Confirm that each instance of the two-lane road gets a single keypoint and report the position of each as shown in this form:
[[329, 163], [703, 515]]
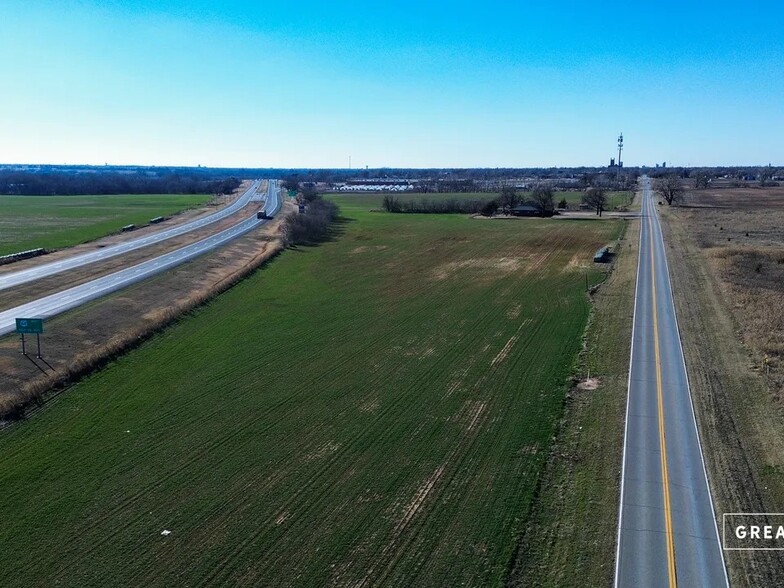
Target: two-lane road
[[11, 279], [73, 297], [667, 533]]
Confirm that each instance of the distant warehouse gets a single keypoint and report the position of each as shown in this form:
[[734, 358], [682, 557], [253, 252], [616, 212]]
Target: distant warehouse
[[528, 210]]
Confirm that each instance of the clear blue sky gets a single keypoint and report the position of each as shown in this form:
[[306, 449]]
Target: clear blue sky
[[415, 84]]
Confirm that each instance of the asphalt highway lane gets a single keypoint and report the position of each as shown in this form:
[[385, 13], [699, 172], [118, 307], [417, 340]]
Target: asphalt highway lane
[[667, 532]]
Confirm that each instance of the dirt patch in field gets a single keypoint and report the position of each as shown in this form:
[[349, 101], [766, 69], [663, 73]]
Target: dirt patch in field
[[501, 265], [322, 451], [513, 312], [476, 409], [470, 414], [83, 339], [507, 348], [410, 510], [502, 355], [371, 405], [589, 384], [578, 261]]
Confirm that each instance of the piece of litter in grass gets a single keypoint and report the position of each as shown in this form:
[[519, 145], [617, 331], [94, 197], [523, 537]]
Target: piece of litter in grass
[[165, 532]]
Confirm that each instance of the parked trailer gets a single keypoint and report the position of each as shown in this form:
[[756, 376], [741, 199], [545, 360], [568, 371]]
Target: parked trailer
[[157, 219], [602, 255], [127, 228]]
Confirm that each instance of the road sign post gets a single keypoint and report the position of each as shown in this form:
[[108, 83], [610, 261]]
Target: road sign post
[[32, 326]]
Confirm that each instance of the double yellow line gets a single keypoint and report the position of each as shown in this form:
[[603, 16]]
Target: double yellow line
[[662, 439]]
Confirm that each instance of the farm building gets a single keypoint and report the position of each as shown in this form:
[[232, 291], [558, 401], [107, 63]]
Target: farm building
[[528, 210]]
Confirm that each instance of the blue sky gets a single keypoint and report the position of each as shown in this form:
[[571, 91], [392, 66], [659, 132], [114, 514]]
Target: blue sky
[[458, 84]]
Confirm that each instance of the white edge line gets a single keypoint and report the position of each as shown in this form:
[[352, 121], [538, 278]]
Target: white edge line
[[691, 403], [628, 396]]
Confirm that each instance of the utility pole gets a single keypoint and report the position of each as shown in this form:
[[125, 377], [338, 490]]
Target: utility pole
[[620, 149]]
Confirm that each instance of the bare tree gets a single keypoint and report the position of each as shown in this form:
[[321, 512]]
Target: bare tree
[[542, 199], [587, 180], [766, 177], [508, 198], [596, 198], [309, 194], [701, 180], [670, 188], [291, 184]]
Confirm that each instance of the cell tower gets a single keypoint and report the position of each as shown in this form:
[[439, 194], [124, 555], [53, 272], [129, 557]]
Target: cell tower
[[620, 148]]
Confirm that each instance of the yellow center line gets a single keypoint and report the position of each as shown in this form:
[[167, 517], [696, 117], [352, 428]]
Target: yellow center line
[[662, 440]]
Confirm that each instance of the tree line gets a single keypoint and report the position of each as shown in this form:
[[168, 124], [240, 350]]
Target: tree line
[[28, 183], [429, 206], [540, 197]]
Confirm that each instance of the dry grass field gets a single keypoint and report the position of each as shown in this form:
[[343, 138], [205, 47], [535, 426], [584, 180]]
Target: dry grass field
[[741, 233]]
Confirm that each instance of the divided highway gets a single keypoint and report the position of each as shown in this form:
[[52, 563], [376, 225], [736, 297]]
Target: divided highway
[[73, 297], [667, 532], [12, 279]]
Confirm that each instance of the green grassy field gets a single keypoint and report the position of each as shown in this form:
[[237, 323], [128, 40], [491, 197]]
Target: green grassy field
[[614, 199], [376, 410], [53, 222]]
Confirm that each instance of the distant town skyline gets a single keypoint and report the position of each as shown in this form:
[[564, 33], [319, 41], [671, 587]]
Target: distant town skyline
[[308, 84]]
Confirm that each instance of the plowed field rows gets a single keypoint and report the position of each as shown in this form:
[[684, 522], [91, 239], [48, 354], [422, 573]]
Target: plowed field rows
[[373, 411]]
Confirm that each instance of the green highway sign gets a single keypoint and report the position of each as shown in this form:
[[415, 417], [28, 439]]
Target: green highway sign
[[29, 325]]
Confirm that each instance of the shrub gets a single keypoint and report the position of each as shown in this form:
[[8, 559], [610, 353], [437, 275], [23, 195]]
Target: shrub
[[311, 226]]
